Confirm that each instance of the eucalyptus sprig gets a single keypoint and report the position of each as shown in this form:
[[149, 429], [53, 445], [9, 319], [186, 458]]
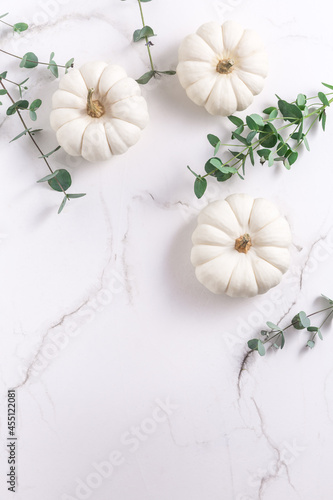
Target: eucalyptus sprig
[[58, 180], [275, 335], [145, 33], [258, 134]]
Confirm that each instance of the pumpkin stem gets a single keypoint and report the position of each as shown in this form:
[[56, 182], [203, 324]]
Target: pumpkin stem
[[225, 66], [243, 243], [94, 108]]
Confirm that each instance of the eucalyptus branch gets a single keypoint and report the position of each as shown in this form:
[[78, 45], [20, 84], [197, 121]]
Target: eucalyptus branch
[[145, 33], [58, 180], [264, 139], [275, 336], [33, 61], [31, 136]]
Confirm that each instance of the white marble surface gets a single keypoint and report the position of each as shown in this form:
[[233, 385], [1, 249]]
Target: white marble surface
[[102, 320]]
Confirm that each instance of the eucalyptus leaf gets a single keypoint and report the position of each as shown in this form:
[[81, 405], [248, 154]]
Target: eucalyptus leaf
[[145, 77], [19, 27], [63, 178], [235, 120], [200, 185], [29, 60]]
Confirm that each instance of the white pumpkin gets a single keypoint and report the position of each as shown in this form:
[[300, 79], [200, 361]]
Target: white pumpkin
[[222, 67], [240, 246], [98, 111]]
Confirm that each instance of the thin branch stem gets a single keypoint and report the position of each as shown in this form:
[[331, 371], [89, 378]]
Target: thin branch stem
[[29, 60], [4, 22], [32, 138], [146, 38]]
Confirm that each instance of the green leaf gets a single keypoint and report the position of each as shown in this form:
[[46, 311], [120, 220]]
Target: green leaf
[[48, 177], [306, 143], [21, 134], [300, 321], [271, 159], [264, 333], [261, 348], [241, 139], [69, 64], [263, 153], [310, 343], [323, 123], [144, 32], [200, 186], [323, 98], [235, 120], [213, 140], [320, 335], [35, 104], [196, 175], [327, 85], [145, 78], [19, 27], [301, 101], [292, 157], [209, 168], [50, 153], [290, 112], [283, 341], [3, 75], [267, 136], [282, 148], [273, 114], [251, 136], [327, 298], [77, 195], [257, 119], [33, 115], [62, 206], [3, 91], [216, 162], [228, 170], [145, 1], [222, 177], [17, 105], [312, 328], [29, 60], [53, 67], [253, 344], [269, 110], [251, 123], [286, 163], [251, 155], [272, 326], [63, 178]]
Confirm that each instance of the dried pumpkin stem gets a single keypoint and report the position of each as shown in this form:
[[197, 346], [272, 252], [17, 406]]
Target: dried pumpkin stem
[[243, 243], [94, 108], [225, 66]]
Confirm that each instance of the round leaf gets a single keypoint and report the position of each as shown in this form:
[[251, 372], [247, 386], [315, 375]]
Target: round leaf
[[29, 60], [63, 178]]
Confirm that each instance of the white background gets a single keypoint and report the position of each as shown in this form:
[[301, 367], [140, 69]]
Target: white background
[[102, 320]]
